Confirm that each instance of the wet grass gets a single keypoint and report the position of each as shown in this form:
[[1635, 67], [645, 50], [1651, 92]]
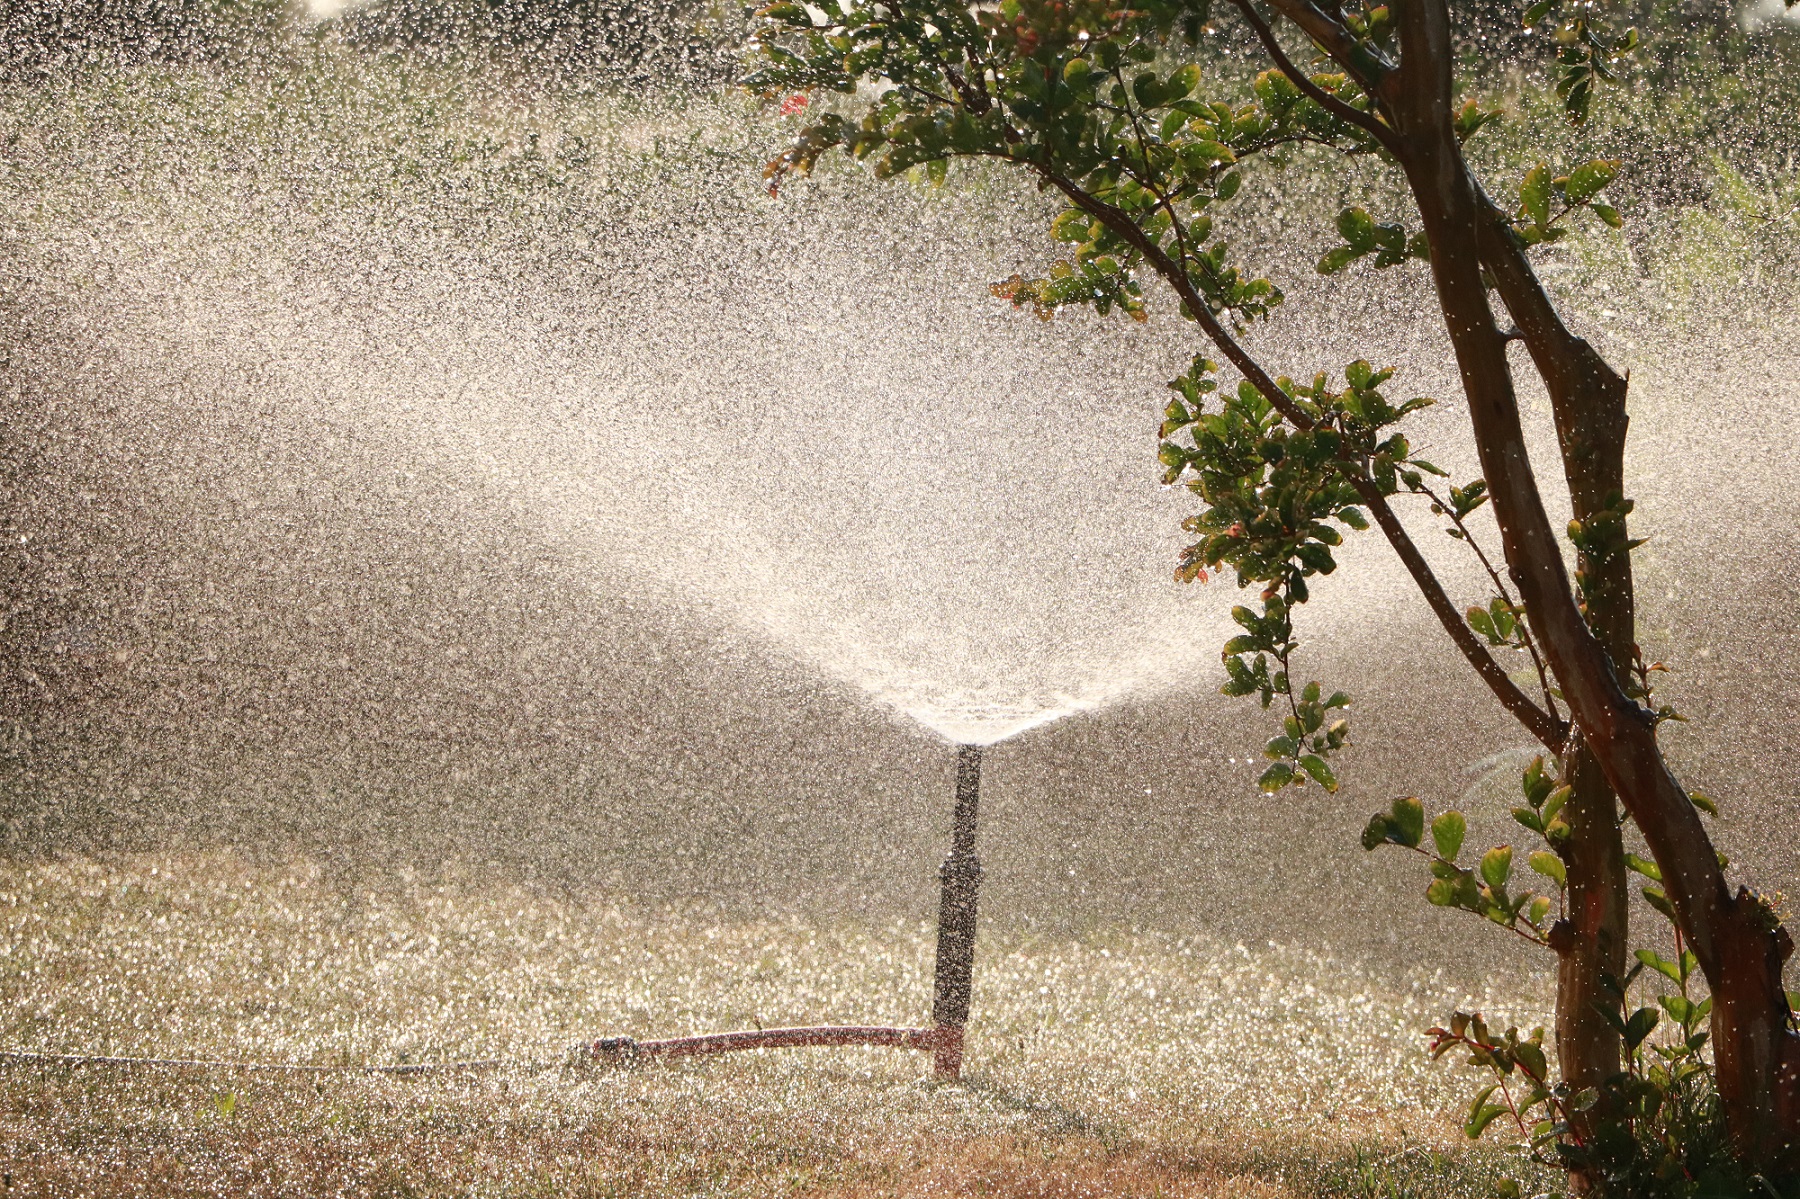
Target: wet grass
[[1117, 1063]]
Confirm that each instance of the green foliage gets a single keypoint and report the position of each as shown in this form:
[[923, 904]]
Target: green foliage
[[1278, 498], [1105, 105], [1655, 1129], [1588, 54], [1544, 201], [1362, 236], [1485, 887], [1076, 92]]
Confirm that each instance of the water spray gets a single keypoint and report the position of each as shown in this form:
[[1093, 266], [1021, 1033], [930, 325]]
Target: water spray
[[952, 976]]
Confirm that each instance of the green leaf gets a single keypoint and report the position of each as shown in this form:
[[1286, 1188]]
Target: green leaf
[[1314, 765], [1704, 802], [1482, 623], [1531, 1057], [1550, 866], [1276, 91], [1277, 776], [1447, 832], [1376, 831], [1609, 214], [1678, 1006], [1496, 866], [1644, 866], [1655, 898], [1586, 180], [1660, 964], [1316, 557], [1337, 259], [1554, 804], [1483, 1116], [1534, 195], [1535, 783], [1358, 228], [1642, 1023], [1408, 821]]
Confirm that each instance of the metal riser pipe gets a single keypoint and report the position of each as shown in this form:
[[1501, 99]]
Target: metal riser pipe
[[960, 882]]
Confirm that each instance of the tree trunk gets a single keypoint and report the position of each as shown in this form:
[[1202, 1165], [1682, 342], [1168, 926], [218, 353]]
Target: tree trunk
[[1588, 399], [1739, 945], [1590, 940]]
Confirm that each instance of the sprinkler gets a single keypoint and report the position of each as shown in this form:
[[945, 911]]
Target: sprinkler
[[959, 882]]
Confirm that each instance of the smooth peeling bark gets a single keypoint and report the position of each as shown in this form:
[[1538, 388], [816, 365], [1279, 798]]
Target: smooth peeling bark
[[1736, 940]]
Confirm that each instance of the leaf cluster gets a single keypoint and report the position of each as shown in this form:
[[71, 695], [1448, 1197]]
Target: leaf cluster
[[1545, 200], [1485, 887], [1588, 52], [1654, 1129], [1277, 499], [1078, 90]]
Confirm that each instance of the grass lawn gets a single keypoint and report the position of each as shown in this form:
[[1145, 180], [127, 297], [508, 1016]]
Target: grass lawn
[[1117, 1063]]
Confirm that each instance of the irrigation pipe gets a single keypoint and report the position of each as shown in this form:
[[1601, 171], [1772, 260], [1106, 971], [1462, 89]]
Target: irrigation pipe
[[621, 1049], [606, 1050]]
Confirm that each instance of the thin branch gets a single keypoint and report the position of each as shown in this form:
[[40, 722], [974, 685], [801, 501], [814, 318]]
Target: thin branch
[[1468, 537], [976, 101], [1548, 728], [1367, 122], [928, 94], [1153, 186]]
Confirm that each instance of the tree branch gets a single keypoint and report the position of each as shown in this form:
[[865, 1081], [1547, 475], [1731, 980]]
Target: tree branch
[[1545, 727], [1550, 731], [1367, 122], [1372, 72], [1468, 537]]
